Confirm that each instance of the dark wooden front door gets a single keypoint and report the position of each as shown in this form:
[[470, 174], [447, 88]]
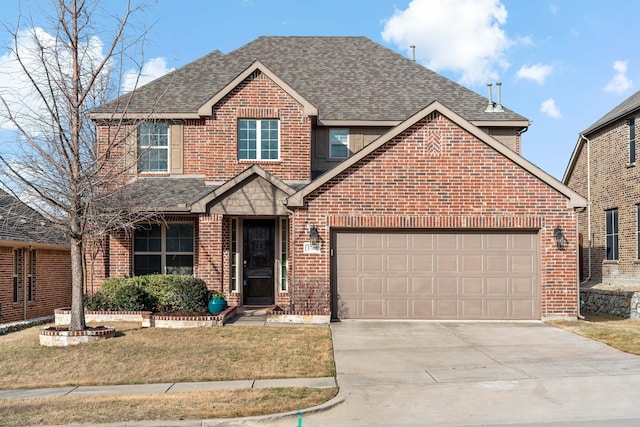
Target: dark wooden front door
[[258, 262]]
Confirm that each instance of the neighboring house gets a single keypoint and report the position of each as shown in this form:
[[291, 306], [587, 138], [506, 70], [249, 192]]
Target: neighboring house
[[35, 264], [604, 169], [330, 174]]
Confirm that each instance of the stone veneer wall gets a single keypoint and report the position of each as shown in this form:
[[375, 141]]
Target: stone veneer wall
[[615, 303]]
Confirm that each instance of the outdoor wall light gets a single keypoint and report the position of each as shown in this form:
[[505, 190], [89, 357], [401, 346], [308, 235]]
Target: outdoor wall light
[[561, 241], [314, 236]]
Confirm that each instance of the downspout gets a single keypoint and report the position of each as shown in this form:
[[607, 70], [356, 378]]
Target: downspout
[[589, 241], [580, 316]]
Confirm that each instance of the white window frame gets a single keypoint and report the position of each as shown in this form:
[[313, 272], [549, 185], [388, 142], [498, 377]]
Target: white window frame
[[283, 285], [163, 248], [258, 140], [142, 148], [336, 139]]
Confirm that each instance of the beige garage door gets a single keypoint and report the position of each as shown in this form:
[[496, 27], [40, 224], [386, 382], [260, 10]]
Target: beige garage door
[[422, 275]]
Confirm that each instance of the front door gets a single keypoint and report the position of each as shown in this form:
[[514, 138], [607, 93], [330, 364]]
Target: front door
[[258, 262]]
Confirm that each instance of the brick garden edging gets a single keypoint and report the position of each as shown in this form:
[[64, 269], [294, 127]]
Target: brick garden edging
[[149, 319], [612, 302], [276, 314]]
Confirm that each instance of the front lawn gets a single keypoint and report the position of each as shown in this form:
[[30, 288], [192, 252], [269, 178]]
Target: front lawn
[[150, 355]]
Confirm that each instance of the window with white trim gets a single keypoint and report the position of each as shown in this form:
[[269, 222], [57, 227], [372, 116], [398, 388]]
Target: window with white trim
[[632, 140], [163, 249], [638, 230], [284, 254], [18, 275], [612, 234], [258, 139], [338, 143], [24, 275], [153, 147], [235, 255]]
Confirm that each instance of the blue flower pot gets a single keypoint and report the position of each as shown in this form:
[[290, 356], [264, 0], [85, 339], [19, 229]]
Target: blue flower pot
[[216, 305]]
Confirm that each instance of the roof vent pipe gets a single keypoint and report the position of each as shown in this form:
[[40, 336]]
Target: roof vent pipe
[[490, 98], [498, 106], [413, 52]]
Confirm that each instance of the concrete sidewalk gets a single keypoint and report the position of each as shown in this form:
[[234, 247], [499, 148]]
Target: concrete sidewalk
[[326, 382]]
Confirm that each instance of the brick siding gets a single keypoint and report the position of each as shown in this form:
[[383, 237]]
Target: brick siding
[[464, 184], [614, 185], [52, 290]]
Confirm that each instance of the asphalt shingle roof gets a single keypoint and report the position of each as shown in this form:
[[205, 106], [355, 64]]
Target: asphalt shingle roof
[[20, 223], [168, 193], [628, 105], [345, 78]]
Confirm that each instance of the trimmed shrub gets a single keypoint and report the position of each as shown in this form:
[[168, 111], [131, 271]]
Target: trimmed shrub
[[194, 295], [131, 297], [156, 292]]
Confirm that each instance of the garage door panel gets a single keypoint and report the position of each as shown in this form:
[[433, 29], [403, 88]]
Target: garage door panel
[[471, 241], [472, 286], [398, 263], [397, 241], [421, 286], [423, 308], [421, 275], [497, 263], [372, 308], [372, 286], [421, 241], [398, 309], [497, 286], [447, 285], [497, 309], [447, 309], [398, 285], [472, 263], [521, 263], [369, 241], [472, 308], [371, 264], [523, 286], [421, 263], [446, 263]]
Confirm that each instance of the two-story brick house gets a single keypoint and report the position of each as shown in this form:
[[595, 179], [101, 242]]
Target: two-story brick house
[[603, 169], [35, 263], [330, 174]]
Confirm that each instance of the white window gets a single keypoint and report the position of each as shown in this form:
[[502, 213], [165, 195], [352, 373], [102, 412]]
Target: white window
[[339, 143], [163, 249], [153, 147], [258, 139]]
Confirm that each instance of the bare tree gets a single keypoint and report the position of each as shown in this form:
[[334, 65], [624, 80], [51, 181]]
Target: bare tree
[[56, 164]]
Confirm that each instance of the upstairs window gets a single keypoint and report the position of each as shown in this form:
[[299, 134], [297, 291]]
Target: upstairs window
[[638, 229], [612, 234], [339, 143], [153, 147], [163, 249], [258, 139], [632, 140]]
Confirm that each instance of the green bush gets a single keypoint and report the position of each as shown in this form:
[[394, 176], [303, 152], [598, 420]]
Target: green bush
[[131, 297], [163, 290], [156, 292], [194, 295]]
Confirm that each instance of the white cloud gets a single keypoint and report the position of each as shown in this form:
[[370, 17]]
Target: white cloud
[[36, 47], [464, 36], [553, 9], [550, 108], [620, 82], [151, 70], [537, 72]]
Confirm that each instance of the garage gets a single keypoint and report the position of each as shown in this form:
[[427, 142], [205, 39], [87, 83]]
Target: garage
[[415, 274]]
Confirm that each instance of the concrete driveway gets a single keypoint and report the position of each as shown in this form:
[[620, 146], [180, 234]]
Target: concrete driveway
[[477, 373]]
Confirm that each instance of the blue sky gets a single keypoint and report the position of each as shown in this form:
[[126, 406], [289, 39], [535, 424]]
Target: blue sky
[[563, 64]]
